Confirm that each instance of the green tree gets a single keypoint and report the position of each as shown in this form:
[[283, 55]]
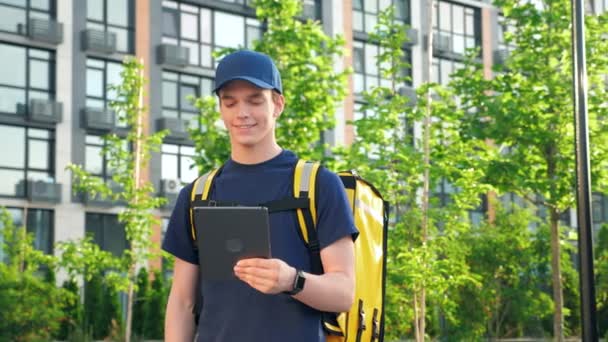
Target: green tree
[[128, 157], [154, 328], [425, 265], [526, 109], [510, 300], [140, 307], [601, 279], [30, 306], [305, 57]]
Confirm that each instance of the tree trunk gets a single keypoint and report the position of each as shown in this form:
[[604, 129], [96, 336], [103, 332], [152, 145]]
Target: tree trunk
[[556, 277]]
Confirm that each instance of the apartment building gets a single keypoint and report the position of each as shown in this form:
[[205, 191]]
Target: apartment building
[[58, 56]]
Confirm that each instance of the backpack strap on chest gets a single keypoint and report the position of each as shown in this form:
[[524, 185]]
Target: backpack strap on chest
[[200, 195], [304, 187]]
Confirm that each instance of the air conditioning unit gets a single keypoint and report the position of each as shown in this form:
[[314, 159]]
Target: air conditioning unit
[[170, 186], [173, 55], [99, 41], [48, 31], [177, 127], [43, 191], [45, 111], [410, 93], [412, 36], [99, 119], [169, 189], [442, 44], [100, 201], [500, 56]]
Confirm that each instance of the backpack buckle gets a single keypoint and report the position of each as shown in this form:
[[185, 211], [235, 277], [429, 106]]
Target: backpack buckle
[[212, 203]]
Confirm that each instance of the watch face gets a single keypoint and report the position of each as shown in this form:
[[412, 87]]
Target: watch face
[[300, 279]]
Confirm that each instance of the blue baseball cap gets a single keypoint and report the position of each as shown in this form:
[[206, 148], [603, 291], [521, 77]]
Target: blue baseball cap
[[251, 66]]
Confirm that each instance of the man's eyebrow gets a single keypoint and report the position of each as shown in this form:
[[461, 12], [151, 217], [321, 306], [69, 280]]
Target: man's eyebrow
[[255, 95]]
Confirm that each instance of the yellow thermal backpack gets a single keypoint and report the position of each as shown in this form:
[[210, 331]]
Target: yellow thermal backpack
[[365, 320]]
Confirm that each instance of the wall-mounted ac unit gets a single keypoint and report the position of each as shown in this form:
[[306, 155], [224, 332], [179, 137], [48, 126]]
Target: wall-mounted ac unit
[[43, 191], [170, 186], [100, 201], [442, 44], [177, 127], [45, 111], [169, 189], [99, 119], [173, 55], [99, 41], [43, 30]]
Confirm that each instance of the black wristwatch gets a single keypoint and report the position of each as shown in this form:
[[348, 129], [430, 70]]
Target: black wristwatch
[[298, 283]]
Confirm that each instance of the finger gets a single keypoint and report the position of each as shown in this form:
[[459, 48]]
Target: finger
[[254, 262], [257, 272]]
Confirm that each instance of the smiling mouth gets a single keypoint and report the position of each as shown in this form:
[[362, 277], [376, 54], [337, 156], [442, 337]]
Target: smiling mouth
[[244, 126]]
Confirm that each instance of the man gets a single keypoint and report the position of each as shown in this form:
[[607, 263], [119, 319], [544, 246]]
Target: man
[[269, 299]]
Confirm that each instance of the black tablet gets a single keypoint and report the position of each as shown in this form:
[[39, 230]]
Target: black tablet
[[226, 235]]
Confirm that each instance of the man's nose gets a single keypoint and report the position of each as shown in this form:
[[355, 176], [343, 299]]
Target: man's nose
[[243, 111]]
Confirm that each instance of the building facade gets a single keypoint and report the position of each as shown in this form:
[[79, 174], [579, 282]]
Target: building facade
[[59, 56]]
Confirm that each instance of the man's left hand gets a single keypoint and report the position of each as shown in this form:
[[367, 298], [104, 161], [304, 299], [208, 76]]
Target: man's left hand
[[268, 276]]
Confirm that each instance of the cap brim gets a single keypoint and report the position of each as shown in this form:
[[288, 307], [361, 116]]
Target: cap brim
[[258, 83]]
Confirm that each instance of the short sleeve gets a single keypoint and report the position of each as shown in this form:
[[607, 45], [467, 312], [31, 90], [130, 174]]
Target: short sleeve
[[178, 240], [334, 214]]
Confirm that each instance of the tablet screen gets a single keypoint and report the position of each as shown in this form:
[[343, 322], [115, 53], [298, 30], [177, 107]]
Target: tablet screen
[[226, 235]]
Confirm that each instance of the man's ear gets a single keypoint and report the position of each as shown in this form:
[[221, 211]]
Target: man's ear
[[279, 104]]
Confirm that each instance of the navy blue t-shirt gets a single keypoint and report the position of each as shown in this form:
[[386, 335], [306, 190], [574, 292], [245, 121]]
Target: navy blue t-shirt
[[234, 311]]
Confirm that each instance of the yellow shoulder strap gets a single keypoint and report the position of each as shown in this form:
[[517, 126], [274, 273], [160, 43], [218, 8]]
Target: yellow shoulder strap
[[202, 186], [304, 184]]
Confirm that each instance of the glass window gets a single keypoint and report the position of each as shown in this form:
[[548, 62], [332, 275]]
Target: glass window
[[115, 16], [39, 224], [16, 89], [367, 71], [30, 157], [100, 75], [107, 232], [178, 163], [176, 91], [204, 30], [14, 14], [462, 26], [96, 163], [365, 13]]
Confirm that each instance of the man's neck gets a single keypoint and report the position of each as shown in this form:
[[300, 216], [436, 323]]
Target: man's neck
[[254, 154]]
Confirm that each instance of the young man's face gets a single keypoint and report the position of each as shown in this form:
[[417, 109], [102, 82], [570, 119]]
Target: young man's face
[[249, 113]]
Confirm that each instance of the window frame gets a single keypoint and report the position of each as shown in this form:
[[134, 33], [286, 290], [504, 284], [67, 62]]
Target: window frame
[[26, 158], [179, 154], [176, 9], [130, 28], [365, 12], [176, 78], [28, 9], [28, 88]]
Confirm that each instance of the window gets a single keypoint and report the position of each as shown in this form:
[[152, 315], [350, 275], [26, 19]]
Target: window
[[96, 164], [178, 163], [107, 232], [365, 13], [367, 70], [30, 157], [100, 75], [39, 224], [461, 26], [25, 74], [14, 14], [600, 210], [176, 89], [115, 16], [205, 30]]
